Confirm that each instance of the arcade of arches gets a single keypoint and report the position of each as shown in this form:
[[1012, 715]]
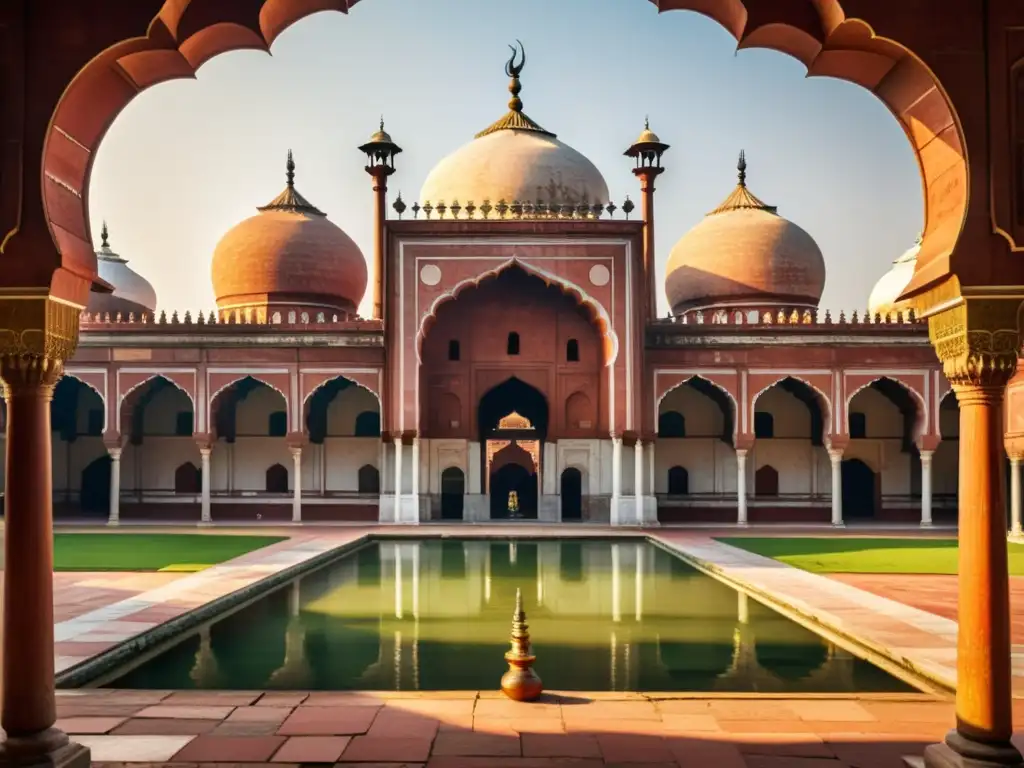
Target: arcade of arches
[[956, 86]]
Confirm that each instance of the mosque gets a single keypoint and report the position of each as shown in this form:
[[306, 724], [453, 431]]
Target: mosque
[[514, 365]]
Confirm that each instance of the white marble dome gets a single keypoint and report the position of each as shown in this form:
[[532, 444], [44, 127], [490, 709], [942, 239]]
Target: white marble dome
[[515, 165], [132, 292], [884, 298]]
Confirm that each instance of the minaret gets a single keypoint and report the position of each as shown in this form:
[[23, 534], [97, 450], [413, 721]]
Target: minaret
[[380, 153], [647, 150]]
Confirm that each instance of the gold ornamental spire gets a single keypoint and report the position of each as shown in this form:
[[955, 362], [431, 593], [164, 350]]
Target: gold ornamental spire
[[520, 683], [515, 119], [742, 198], [290, 200]]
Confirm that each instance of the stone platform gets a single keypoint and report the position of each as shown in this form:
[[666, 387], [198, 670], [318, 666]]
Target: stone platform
[[466, 729]]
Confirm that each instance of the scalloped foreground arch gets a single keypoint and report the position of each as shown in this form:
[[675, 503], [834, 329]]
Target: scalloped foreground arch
[[187, 33], [827, 413], [716, 385]]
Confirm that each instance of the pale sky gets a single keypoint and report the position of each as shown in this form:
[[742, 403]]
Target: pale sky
[[189, 159]]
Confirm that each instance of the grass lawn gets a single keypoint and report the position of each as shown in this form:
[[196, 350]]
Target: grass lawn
[[181, 552], [850, 555]]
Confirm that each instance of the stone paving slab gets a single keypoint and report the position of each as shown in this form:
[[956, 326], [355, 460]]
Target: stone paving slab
[[460, 729], [900, 632]]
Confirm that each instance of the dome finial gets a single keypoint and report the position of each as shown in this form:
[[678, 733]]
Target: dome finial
[[513, 70], [290, 168], [103, 235], [647, 122], [741, 166], [382, 122], [515, 119]]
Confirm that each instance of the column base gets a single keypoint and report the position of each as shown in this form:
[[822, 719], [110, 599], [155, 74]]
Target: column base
[[49, 749], [204, 524], [927, 524], [960, 752], [113, 523], [839, 525]]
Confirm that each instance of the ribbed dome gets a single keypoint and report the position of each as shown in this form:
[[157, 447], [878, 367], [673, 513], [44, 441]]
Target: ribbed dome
[[132, 292], [289, 254], [884, 296], [514, 159], [744, 254]]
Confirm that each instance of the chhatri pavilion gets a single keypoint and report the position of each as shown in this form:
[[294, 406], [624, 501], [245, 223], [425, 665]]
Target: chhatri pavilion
[[514, 352]]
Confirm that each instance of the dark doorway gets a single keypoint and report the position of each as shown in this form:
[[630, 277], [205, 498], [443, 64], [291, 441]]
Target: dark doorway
[[766, 481], [512, 395], [95, 494], [572, 494], [277, 479], [513, 477], [187, 478], [453, 490], [860, 491], [678, 481]]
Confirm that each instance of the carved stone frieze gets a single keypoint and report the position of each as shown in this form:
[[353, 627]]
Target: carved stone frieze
[[37, 335], [977, 341]]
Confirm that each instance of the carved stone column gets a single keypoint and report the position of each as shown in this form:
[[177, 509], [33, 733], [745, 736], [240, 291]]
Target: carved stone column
[[38, 335], [977, 342], [835, 457]]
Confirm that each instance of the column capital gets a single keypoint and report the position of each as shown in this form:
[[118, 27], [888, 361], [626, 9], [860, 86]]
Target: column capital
[[296, 441], [977, 341], [926, 456], [835, 455], [113, 441], [741, 453], [616, 437], [39, 333]]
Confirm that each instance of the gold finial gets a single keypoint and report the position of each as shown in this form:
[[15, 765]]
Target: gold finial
[[103, 236], [513, 70], [515, 119], [290, 169], [647, 122], [741, 166], [520, 683], [382, 122]]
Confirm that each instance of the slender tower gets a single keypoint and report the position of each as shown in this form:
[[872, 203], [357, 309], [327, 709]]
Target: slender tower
[[380, 153], [647, 150]]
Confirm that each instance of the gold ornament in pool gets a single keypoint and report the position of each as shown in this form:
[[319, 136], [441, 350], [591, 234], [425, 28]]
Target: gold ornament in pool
[[520, 682], [513, 503]]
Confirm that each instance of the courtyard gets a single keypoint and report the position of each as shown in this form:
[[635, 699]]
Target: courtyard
[[903, 620]]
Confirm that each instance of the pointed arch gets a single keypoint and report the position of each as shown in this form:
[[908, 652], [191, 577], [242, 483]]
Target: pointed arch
[[703, 385], [123, 398], [824, 403], [595, 310], [920, 425], [242, 377]]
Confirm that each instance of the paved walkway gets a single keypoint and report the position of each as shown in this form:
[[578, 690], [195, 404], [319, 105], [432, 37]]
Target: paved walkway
[[464, 730]]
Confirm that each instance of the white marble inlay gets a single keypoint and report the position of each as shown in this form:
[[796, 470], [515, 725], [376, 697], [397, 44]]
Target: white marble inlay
[[599, 275], [430, 274]]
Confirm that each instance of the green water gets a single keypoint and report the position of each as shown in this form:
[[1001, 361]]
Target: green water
[[436, 615]]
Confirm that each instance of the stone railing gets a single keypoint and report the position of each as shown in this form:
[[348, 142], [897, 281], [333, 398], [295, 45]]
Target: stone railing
[[310, 322], [503, 210], [792, 317]]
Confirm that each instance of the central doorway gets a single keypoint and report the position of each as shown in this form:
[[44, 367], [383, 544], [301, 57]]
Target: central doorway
[[513, 422]]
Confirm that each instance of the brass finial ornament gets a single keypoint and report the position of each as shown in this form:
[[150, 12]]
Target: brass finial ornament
[[103, 236], [515, 119], [741, 198], [290, 200], [520, 683]]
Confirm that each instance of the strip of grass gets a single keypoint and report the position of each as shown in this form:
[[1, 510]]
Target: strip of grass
[[178, 552], [867, 555]]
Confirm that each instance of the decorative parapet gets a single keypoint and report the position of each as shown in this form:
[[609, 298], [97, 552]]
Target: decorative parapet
[[516, 210], [803, 318], [313, 322]]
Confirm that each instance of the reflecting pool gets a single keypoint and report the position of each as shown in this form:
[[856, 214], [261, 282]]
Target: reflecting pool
[[436, 615]]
